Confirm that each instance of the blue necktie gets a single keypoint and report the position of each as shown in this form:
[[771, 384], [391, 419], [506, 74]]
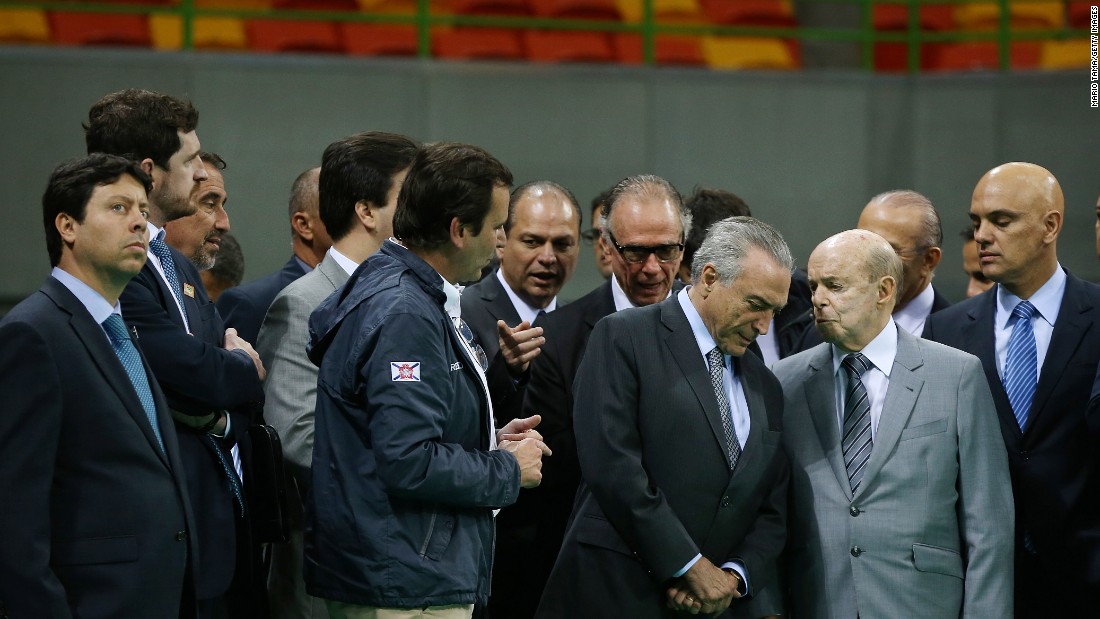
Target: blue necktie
[[856, 439], [230, 472], [716, 362], [160, 250], [1021, 374], [127, 353]]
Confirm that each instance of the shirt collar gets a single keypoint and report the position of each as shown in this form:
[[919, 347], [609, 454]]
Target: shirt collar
[[879, 351], [345, 263], [305, 267], [619, 295], [97, 306], [1047, 299], [526, 312], [703, 337], [453, 304], [915, 313]]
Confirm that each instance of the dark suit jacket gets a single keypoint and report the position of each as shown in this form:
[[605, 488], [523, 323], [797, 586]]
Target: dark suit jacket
[[244, 307], [797, 315], [811, 338], [657, 486], [95, 519], [483, 304], [1055, 464], [198, 376]]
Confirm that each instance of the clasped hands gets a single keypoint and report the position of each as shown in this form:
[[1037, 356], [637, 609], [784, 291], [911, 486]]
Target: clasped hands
[[519, 438], [704, 588]]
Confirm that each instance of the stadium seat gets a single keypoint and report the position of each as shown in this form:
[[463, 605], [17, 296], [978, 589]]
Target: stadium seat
[[664, 11], [315, 5], [211, 33], [576, 9], [400, 7], [378, 39], [240, 5], [23, 26], [1062, 55], [478, 44], [489, 7], [280, 35], [110, 29], [1022, 15], [934, 17], [983, 56], [1079, 14], [748, 53], [568, 46], [770, 13], [894, 57], [667, 50]]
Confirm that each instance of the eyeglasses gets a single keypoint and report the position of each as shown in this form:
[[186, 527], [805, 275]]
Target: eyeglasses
[[637, 254]]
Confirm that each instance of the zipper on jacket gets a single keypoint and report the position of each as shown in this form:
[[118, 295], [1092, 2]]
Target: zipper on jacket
[[428, 537]]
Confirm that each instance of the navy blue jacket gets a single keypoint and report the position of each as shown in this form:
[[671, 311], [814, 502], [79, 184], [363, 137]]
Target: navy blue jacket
[[244, 307], [403, 479]]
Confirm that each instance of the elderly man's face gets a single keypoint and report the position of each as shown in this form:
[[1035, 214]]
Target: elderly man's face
[[848, 304], [736, 313], [640, 223], [902, 229], [198, 236]]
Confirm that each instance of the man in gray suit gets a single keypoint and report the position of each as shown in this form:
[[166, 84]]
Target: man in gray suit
[[900, 500], [361, 176]]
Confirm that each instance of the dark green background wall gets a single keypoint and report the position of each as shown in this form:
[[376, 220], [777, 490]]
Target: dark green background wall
[[805, 150]]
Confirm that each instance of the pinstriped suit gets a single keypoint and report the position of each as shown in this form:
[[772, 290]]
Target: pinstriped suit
[[929, 532], [291, 395]]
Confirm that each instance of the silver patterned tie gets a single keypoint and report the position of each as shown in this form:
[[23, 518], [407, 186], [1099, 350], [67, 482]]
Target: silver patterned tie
[[716, 363], [856, 439]]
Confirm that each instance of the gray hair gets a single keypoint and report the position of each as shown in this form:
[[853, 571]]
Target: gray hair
[[644, 186], [729, 240], [931, 234]]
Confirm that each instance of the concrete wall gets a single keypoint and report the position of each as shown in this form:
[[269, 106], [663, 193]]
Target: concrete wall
[[805, 150]]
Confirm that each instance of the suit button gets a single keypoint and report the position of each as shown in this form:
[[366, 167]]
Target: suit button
[[853, 510], [182, 535], [856, 551], [725, 501], [1023, 455]]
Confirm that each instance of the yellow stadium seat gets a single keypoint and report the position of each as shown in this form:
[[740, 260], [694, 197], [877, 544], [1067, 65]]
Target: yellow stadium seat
[[207, 33], [1058, 55], [1022, 15], [748, 53], [664, 11], [23, 26]]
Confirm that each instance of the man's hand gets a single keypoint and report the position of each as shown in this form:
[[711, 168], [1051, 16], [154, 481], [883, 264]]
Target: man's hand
[[528, 453], [714, 588], [519, 429], [519, 345], [233, 342]]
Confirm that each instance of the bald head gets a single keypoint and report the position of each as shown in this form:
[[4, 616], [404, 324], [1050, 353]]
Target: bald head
[[1017, 211], [854, 279], [910, 224]]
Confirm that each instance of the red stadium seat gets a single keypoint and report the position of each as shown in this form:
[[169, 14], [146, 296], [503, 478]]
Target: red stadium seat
[[478, 44], [516, 8], [568, 46], [1079, 14], [280, 35], [109, 29], [667, 50], [576, 9], [316, 5], [935, 17], [984, 56], [379, 39], [771, 13]]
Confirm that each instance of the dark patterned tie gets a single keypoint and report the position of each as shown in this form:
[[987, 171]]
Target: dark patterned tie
[[127, 353], [717, 363], [160, 250], [856, 439], [230, 472], [1020, 373]]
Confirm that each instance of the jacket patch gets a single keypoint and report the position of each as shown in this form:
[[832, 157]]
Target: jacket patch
[[456, 366], [405, 371]]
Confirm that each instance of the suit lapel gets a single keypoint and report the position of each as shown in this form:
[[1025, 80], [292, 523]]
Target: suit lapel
[[681, 343], [1074, 320], [821, 403], [99, 348], [978, 337], [901, 397], [498, 302], [333, 272]]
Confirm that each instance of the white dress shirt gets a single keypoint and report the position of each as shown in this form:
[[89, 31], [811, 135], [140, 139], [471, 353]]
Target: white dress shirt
[[880, 352], [525, 311], [915, 313], [97, 306], [155, 261], [1047, 301], [345, 263]]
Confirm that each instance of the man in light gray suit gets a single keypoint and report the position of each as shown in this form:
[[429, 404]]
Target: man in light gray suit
[[361, 176], [900, 500]]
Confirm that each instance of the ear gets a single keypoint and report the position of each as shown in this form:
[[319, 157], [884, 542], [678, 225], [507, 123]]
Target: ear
[[932, 258], [887, 286], [459, 233], [366, 215], [1052, 225], [66, 227], [708, 279], [147, 166], [302, 224]]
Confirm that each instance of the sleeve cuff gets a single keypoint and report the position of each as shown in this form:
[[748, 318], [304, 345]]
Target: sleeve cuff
[[687, 567]]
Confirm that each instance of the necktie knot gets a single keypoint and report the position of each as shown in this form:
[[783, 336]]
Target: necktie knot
[[1023, 310], [715, 358], [159, 248], [856, 364], [115, 328]]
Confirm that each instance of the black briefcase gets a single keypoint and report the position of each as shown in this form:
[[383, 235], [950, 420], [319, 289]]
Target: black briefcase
[[265, 487]]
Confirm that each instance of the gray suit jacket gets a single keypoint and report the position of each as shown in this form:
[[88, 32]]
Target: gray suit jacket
[[291, 385], [929, 532]]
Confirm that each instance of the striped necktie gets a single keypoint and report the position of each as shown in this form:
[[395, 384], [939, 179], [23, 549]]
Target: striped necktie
[[856, 438], [128, 355], [1021, 373]]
